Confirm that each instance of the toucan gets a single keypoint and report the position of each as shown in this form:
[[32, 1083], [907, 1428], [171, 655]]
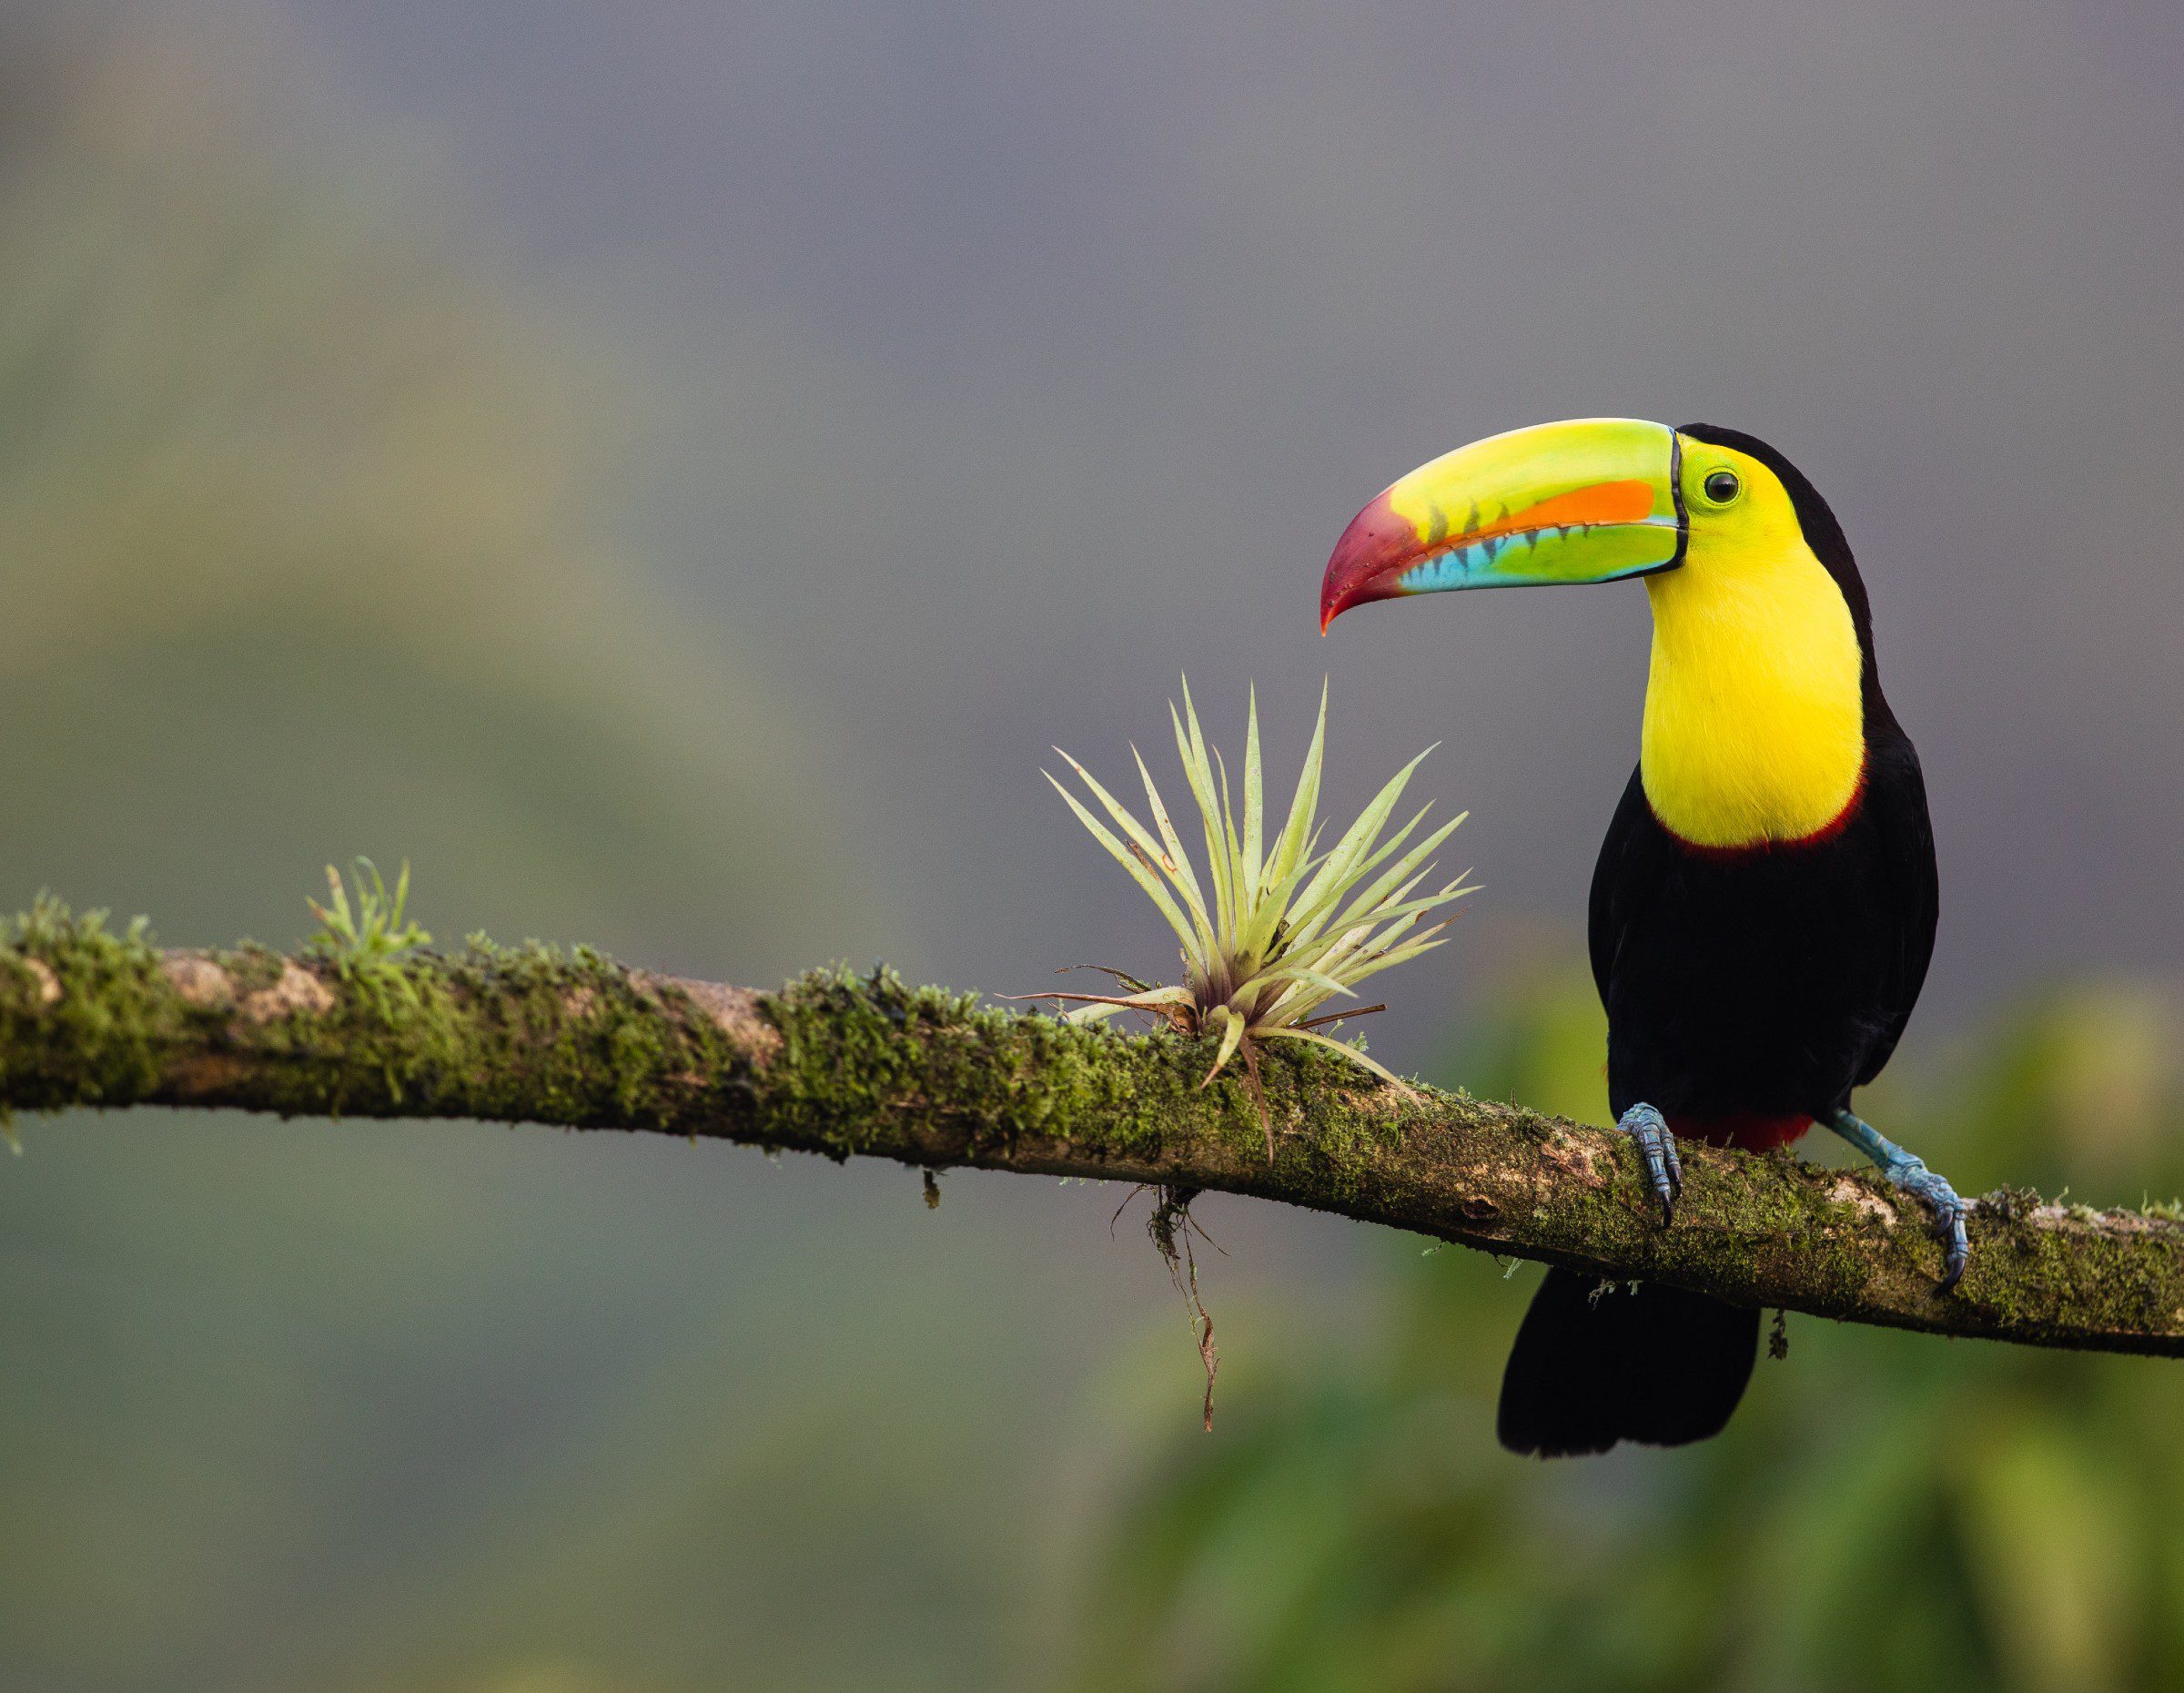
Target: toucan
[[1762, 910]]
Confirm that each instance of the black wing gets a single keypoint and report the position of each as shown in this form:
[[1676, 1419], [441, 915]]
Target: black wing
[[1618, 877], [1896, 797]]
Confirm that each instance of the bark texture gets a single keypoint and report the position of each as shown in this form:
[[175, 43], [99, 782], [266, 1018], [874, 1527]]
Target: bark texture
[[865, 1065]]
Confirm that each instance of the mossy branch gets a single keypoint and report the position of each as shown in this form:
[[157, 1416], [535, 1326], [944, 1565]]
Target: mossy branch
[[844, 1064]]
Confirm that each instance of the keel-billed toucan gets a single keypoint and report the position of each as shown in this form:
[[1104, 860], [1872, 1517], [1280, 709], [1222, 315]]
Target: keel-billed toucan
[[1763, 907]]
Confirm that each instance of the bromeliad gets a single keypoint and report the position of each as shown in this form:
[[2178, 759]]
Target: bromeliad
[[1271, 934]]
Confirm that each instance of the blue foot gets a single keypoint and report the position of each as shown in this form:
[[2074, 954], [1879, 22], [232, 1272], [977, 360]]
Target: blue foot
[[1911, 1174], [1657, 1146], [1908, 1171]]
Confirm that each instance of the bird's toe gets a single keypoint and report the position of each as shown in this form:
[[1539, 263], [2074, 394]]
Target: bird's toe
[[1657, 1150], [1950, 1215]]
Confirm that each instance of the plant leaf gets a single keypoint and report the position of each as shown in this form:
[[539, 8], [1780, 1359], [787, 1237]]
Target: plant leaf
[[1255, 803], [1304, 973], [1256, 938], [1240, 875], [1139, 874], [1384, 888], [1338, 871], [1348, 1052], [1187, 880], [1198, 770], [1293, 846], [1166, 853], [1156, 849], [1427, 940], [1232, 1037]]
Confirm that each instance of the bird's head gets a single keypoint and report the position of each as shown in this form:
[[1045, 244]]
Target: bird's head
[[1761, 684], [1592, 500]]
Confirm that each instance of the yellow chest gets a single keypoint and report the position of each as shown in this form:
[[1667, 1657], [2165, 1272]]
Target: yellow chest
[[1753, 726]]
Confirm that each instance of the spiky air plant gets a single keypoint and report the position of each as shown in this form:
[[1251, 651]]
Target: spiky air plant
[[1271, 936]]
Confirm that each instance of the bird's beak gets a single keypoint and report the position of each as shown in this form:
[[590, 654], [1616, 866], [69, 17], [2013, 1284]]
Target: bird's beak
[[1594, 500]]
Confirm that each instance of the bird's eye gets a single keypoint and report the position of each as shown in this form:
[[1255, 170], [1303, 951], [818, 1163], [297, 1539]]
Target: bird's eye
[[1722, 486]]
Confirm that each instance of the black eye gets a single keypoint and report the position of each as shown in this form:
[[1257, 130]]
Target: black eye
[[1722, 486]]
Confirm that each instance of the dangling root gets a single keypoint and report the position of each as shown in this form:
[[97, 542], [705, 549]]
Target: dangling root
[[1171, 1225]]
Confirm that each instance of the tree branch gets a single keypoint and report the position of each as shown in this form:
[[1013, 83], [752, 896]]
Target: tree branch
[[841, 1065]]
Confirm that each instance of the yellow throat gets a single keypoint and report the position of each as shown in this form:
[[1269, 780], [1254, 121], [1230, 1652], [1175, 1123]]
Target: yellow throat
[[1753, 726]]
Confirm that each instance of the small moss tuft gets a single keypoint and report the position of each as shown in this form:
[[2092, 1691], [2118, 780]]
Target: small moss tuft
[[94, 997]]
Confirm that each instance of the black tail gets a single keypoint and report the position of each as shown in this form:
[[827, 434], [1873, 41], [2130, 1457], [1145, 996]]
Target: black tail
[[1649, 1363]]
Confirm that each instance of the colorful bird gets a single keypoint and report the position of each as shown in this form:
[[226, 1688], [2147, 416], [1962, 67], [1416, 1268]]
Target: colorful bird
[[1763, 907]]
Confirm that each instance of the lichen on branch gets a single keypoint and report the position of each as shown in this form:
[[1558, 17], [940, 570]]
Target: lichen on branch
[[847, 1064]]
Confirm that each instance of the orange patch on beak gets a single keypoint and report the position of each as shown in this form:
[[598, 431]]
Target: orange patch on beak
[[1602, 503]]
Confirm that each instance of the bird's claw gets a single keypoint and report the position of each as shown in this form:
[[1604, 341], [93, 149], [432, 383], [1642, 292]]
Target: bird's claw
[[1910, 1173], [1657, 1146]]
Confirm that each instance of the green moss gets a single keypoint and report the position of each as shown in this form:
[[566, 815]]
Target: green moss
[[88, 1017], [83, 1009], [865, 1058], [860, 1054], [2014, 1203], [532, 1031]]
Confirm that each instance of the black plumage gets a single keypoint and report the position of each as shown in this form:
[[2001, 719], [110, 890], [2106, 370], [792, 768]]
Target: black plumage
[[1748, 992]]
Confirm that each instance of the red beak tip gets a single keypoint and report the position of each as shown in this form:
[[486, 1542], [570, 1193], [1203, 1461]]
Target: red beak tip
[[1377, 543]]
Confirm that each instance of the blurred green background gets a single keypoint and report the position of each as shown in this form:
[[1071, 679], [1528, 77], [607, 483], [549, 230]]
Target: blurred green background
[[669, 471]]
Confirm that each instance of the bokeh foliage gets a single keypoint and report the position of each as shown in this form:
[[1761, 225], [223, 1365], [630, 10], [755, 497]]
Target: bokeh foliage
[[1885, 1510]]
